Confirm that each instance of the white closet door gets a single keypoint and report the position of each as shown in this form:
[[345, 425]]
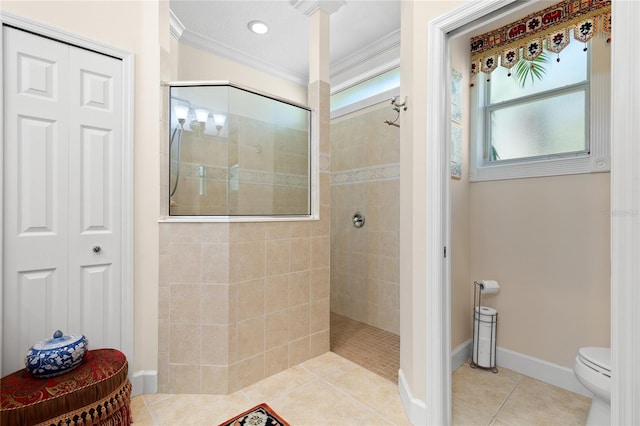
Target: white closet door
[[95, 184], [62, 148]]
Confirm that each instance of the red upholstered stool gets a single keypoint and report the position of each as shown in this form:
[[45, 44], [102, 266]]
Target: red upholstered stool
[[95, 393]]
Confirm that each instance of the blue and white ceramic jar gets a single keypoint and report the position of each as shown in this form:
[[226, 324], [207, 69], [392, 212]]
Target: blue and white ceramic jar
[[56, 356]]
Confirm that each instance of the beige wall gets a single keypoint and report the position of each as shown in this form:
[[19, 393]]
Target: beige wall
[[196, 64], [461, 280], [415, 17], [138, 31], [364, 261], [546, 241]]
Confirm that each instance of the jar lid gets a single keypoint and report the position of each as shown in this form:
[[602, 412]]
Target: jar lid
[[57, 341]]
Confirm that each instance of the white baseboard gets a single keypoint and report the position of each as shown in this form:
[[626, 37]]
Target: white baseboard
[[416, 409], [144, 381], [544, 371], [461, 354]]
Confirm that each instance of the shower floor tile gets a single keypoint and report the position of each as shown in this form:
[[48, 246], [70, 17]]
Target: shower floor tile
[[372, 348]]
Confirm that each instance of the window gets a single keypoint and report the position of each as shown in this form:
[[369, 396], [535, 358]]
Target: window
[[526, 118], [365, 93], [554, 120]]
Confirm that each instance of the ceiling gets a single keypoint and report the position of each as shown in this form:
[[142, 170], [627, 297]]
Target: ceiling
[[365, 34]]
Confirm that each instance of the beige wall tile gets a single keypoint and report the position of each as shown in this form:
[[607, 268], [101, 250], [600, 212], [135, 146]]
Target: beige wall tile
[[276, 360], [164, 336], [276, 329], [298, 321], [320, 284], [215, 304], [299, 258], [214, 349], [246, 232], [251, 299], [319, 343], [320, 252], [164, 273], [298, 229], [276, 230], [184, 346], [214, 379], [322, 227], [184, 304], [277, 293], [299, 351], [277, 257], [184, 232], [250, 370], [184, 378], [215, 262], [251, 337], [247, 260], [163, 371], [299, 288], [164, 299], [215, 232], [319, 316], [186, 262]]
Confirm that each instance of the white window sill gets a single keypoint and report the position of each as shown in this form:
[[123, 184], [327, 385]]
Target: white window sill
[[555, 167]]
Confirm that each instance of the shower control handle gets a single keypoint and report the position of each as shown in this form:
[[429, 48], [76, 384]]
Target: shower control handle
[[358, 220]]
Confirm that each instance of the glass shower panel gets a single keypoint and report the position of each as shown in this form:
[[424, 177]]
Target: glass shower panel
[[234, 152], [269, 156], [198, 151]]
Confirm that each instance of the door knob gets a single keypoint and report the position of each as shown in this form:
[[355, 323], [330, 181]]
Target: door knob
[[96, 249]]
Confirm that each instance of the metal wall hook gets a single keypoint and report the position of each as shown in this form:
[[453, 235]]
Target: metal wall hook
[[396, 108]]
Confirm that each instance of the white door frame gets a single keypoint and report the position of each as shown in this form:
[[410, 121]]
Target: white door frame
[[625, 211], [127, 59]]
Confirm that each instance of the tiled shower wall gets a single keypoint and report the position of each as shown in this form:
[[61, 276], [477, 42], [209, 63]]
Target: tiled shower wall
[[241, 301], [365, 175]]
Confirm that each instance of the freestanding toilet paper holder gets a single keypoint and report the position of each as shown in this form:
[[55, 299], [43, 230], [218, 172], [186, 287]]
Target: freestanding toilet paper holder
[[483, 319]]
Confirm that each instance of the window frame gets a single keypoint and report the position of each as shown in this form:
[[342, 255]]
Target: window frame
[[594, 159]]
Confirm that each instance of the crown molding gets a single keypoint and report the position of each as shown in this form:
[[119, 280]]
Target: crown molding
[[382, 53], [235, 55], [309, 7], [176, 28]]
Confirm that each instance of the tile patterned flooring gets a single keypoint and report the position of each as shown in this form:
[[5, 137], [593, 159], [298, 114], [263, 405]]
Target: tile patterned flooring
[[370, 347], [332, 390]]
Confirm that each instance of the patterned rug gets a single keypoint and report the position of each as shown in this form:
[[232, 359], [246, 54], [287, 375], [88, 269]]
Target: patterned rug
[[260, 415]]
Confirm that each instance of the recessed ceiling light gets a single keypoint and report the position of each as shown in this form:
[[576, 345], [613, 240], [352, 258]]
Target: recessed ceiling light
[[258, 27]]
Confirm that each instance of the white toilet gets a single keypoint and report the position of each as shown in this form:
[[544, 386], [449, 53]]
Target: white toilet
[[593, 370]]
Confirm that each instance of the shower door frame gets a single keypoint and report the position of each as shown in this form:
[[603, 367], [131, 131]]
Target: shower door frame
[[625, 219]]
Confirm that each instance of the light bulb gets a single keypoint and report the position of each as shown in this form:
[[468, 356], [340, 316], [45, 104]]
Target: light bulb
[[219, 119], [202, 115], [181, 112]]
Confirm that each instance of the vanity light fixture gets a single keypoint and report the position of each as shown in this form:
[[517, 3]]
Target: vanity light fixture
[[258, 27], [182, 111], [218, 121]]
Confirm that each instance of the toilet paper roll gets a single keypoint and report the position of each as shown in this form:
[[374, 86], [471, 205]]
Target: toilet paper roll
[[489, 286], [484, 335]]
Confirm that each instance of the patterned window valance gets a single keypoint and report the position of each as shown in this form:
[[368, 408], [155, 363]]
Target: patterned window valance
[[551, 24]]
